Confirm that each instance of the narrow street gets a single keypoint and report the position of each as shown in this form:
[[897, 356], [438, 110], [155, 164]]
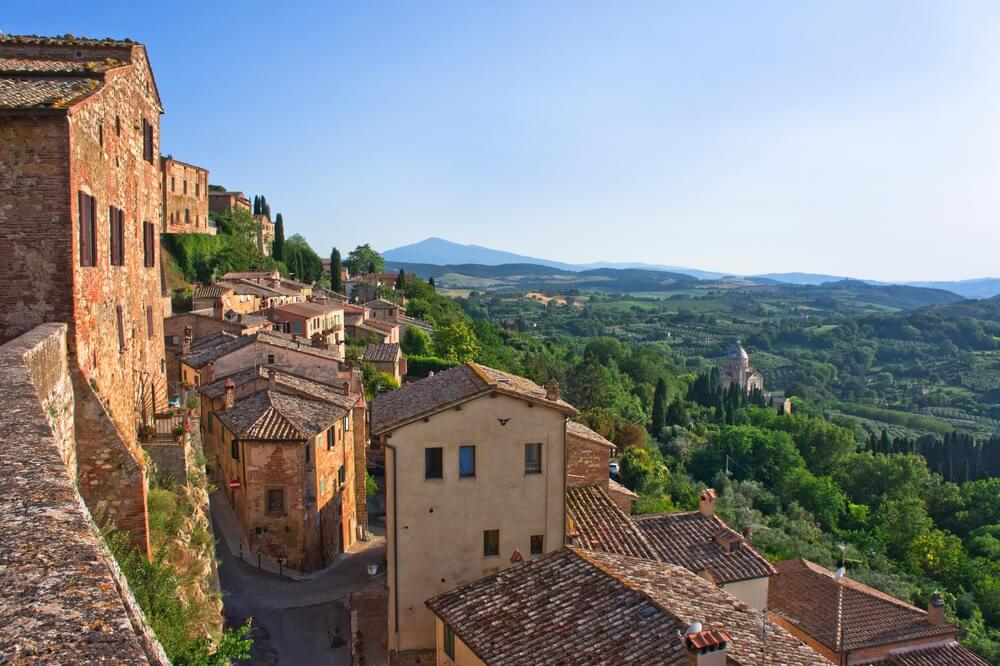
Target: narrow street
[[295, 621]]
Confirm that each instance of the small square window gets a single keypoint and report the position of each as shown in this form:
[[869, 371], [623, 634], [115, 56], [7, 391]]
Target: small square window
[[234, 449], [537, 544], [532, 458], [491, 543], [467, 461], [433, 463], [270, 359], [276, 500]]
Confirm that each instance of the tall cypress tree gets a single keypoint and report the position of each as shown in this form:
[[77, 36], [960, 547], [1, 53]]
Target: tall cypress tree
[[401, 280], [336, 281], [659, 408], [430, 281], [278, 246]]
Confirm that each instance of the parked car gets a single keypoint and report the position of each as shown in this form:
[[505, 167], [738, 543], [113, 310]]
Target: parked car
[[613, 469]]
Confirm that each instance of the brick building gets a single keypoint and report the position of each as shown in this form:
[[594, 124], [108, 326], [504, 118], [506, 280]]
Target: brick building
[[80, 204], [223, 202], [185, 198], [588, 456], [295, 447]]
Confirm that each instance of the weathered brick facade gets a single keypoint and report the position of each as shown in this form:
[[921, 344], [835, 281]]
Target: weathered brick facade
[[55, 153], [185, 198]]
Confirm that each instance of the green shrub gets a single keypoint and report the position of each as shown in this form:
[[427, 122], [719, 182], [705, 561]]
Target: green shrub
[[421, 366]]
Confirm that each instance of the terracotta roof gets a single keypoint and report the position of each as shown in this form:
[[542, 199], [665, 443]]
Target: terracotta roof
[[577, 429], [334, 391], [308, 309], [22, 65], [198, 359], [66, 40], [212, 340], [382, 353], [277, 416], [212, 291], [576, 606], [688, 540], [17, 92], [805, 595], [353, 319], [949, 654], [451, 387], [381, 304], [285, 341], [600, 524], [404, 320], [616, 488]]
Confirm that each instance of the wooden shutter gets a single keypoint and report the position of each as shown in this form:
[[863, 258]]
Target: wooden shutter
[[86, 240], [113, 235], [121, 237], [149, 321], [147, 140], [121, 327], [149, 244]]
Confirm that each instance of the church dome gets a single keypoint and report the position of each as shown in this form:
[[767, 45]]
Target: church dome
[[737, 351]]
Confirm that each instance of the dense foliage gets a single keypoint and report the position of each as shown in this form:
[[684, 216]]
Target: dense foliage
[[203, 258]]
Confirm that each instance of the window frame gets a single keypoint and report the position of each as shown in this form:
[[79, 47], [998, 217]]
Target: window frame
[[491, 549], [532, 467], [427, 463], [448, 641], [461, 450], [268, 505], [540, 540]]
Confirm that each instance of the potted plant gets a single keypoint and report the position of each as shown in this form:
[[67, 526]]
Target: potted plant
[[192, 404], [178, 431], [146, 433]]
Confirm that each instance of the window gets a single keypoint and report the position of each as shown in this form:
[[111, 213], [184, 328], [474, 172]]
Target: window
[[187, 216], [121, 327], [347, 423], [209, 424], [491, 543], [173, 184], [322, 485], [149, 244], [234, 449], [100, 133], [116, 218], [149, 322], [466, 461], [537, 544], [341, 475], [88, 229], [433, 467], [276, 500], [185, 184], [308, 453], [449, 642], [118, 126], [532, 458], [270, 358], [330, 434], [147, 141], [197, 190]]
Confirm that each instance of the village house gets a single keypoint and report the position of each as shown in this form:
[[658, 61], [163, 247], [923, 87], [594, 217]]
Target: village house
[[288, 453], [851, 623], [475, 473], [386, 358], [186, 332], [268, 348], [221, 203], [356, 326], [223, 298], [322, 324], [272, 280], [185, 198], [82, 204], [588, 457], [387, 312], [579, 606]]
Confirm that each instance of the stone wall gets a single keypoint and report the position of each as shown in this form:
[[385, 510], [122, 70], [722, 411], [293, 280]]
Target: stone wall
[[63, 599], [587, 461], [185, 198], [170, 459]]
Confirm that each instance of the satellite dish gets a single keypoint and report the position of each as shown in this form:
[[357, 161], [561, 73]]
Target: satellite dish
[[840, 573], [694, 628]]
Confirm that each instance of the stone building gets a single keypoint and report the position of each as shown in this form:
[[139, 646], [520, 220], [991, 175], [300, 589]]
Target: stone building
[[386, 358], [221, 203], [185, 198], [265, 233], [475, 472], [321, 323], [851, 623], [80, 206], [577, 606], [735, 368], [288, 452], [588, 458]]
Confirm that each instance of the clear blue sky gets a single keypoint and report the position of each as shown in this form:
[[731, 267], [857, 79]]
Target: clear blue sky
[[852, 138]]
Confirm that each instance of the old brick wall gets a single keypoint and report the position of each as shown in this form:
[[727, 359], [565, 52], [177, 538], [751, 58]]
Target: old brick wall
[[185, 207], [130, 380], [170, 459], [35, 241], [587, 461], [266, 466], [64, 599]]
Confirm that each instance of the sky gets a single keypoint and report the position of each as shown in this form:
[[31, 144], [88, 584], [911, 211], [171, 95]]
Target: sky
[[849, 138]]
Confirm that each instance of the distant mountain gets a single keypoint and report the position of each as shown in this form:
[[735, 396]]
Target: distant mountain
[[443, 253]]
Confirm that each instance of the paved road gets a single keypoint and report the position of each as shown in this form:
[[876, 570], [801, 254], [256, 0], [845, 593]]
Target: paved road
[[296, 622]]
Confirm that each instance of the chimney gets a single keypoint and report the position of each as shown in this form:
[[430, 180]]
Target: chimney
[[208, 373], [552, 390], [229, 401], [272, 383], [935, 609], [747, 533], [706, 502], [706, 648], [217, 308], [186, 341]]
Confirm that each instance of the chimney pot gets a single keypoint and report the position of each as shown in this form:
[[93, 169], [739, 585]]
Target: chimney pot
[[186, 341], [272, 383], [229, 398], [707, 647], [706, 502], [552, 390], [935, 609]]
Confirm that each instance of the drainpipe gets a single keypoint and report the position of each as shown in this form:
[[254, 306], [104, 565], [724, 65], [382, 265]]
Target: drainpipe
[[395, 545], [565, 476]]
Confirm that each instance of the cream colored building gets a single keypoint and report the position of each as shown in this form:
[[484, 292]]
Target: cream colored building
[[736, 369], [475, 478]]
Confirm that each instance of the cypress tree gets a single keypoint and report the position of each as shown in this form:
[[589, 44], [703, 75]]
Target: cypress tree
[[336, 281], [883, 444], [278, 246], [659, 407], [430, 281], [401, 281]]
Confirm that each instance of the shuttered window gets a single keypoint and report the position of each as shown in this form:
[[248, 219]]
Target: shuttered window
[[149, 244], [116, 217], [147, 141], [88, 230], [121, 327], [149, 322]]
